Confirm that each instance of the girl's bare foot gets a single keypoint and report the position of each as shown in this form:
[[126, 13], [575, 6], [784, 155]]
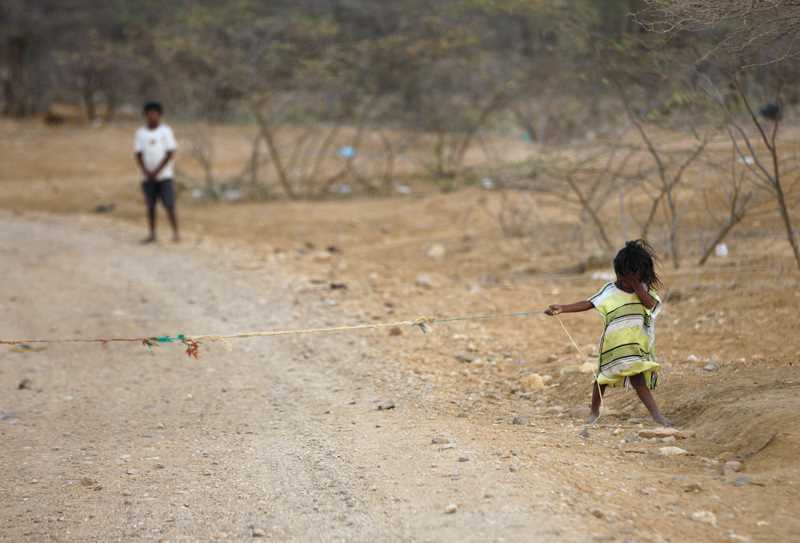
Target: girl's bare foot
[[148, 239], [662, 420]]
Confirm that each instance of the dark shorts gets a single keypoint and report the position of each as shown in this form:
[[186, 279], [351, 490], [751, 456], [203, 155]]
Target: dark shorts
[[159, 190]]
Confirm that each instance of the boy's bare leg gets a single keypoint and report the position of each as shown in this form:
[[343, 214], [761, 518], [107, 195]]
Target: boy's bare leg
[[596, 400], [173, 221], [151, 224], [637, 382]]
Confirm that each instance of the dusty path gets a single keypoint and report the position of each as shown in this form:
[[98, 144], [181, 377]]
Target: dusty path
[[280, 437]]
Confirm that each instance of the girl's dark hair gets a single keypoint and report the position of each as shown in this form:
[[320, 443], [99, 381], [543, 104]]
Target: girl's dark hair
[[638, 258]]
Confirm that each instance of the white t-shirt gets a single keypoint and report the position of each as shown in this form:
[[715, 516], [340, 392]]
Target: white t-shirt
[[154, 145]]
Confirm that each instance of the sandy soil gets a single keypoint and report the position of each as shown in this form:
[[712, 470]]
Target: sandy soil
[[117, 444]]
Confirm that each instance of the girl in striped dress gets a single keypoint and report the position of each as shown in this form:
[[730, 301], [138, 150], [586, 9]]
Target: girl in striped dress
[[628, 307]]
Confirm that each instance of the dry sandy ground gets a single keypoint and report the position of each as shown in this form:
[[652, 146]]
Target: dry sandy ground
[[116, 443], [283, 437]]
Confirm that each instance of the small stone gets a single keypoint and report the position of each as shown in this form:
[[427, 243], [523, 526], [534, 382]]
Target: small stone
[[706, 517], [584, 433], [520, 420], [711, 366], [672, 451], [436, 251], [693, 358], [25, 384], [466, 358], [440, 440], [451, 508], [88, 482], [597, 513], [631, 437], [258, 532], [663, 432], [531, 382], [692, 487], [742, 480], [731, 466], [395, 331], [463, 459], [733, 536], [386, 405], [424, 280]]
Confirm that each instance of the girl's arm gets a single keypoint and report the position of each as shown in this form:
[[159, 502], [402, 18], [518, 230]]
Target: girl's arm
[[641, 291], [577, 307]]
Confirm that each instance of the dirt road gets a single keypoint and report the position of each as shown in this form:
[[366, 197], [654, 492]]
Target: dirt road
[[280, 439]]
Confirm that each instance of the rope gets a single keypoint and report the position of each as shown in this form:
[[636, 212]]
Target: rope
[[192, 342], [597, 373]]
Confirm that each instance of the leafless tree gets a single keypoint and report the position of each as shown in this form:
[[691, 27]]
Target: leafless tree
[[735, 192], [670, 172], [765, 163], [742, 27], [586, 183]]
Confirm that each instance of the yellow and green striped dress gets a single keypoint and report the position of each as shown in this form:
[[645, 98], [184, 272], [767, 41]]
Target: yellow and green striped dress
[[629, 338]]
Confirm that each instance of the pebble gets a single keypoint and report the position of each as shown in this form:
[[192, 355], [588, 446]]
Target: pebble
[[631, 437], [692, 487], [584, 433], [664, 432], [440, 440], [436, 251], [597, 513], [258, 532], [424, 280], [520, 420], [451, 508], [731, 466], [395, 331], [711, 366], [706, 517], [25, 384], [386, 405], [672, 451], [466, 358], [742, 480], [531, 382]]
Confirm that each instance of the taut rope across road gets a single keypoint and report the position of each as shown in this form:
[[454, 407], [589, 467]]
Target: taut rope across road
[[192, 342]]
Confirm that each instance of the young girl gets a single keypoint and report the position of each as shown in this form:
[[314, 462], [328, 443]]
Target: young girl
[[628, 308]]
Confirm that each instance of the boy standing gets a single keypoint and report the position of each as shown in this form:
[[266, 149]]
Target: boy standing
[[155, 148]]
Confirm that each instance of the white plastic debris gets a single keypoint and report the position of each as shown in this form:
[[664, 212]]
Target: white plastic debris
[[721, 250]]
